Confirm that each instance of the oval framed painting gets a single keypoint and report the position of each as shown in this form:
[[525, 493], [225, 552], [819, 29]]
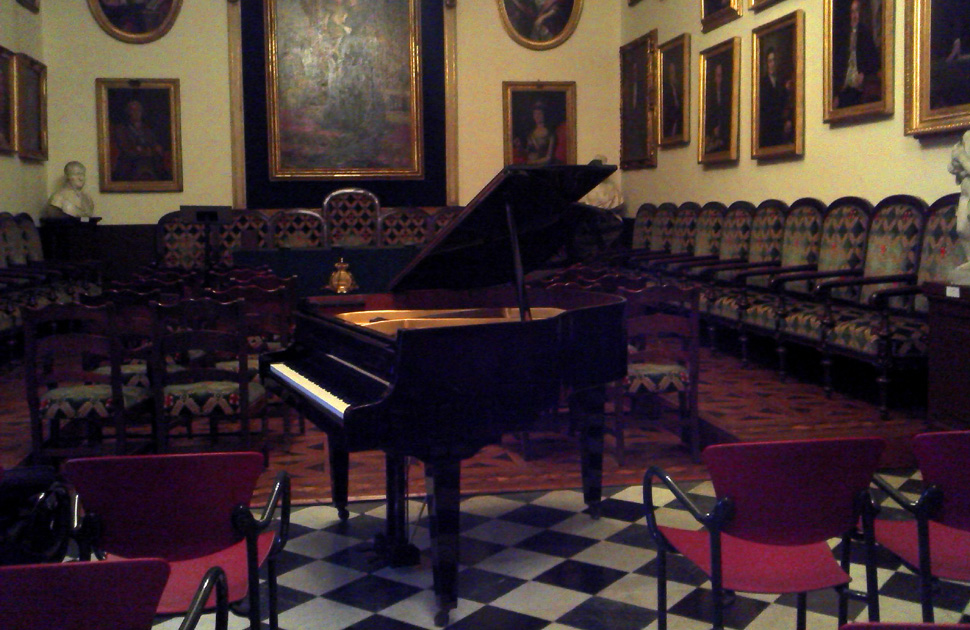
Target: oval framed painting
[[137, 22], [540, 24]]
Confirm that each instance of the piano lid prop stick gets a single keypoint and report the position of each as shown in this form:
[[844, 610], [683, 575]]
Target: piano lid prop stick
[[524, 312]]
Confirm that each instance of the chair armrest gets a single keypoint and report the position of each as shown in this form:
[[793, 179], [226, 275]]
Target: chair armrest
[[880, 298], [825, 287], [768, 270], [714, 520], [705, 261], [783, 279], [214, 578], [246, 524], [928, 503]]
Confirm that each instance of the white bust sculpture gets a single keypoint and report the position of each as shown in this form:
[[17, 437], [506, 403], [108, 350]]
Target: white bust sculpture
[[70, 199], [960, 167]]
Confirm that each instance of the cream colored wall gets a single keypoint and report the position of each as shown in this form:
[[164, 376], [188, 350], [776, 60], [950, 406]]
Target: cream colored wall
[[871, 160], [195, 52], [21, 183], [487, 56]]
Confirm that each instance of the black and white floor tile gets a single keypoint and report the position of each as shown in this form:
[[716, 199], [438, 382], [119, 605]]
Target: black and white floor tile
[[532, 561]]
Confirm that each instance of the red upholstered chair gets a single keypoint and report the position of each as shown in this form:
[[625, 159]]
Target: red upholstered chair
[[97, 595], [875, 625], [191, 510], [778, 503], [936, 542]]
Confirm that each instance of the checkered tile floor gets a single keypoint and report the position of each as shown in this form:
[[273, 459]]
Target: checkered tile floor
[[536, 561]]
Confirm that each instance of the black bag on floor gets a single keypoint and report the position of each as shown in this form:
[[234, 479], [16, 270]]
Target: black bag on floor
[[35, 516]]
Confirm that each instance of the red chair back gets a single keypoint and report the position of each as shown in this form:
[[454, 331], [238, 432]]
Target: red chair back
[[119, 595], [793, 492], [941, 457], [167, 506]]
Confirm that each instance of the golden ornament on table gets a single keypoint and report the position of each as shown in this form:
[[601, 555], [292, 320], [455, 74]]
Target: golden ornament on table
[[341, 280]]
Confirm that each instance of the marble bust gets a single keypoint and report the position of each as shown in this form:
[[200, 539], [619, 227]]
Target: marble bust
[[70, 200], [960, 168]]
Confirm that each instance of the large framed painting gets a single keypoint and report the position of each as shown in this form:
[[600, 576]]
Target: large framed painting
[[638, 110], [344, 89], [858, 62], [31, 108], [135, 22], [540, 24], [720, 91], [778, 87], [139, 135], [716, 13], [540, 122], [8, 88], [674, 74], [937, 66]]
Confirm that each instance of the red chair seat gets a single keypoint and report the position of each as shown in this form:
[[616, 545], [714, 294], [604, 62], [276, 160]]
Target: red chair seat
[[753, 567], [185, 575], [900, 538]]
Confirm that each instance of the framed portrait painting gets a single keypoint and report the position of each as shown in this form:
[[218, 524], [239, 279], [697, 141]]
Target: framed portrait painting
[[778, 88], [674, 75], [858, 68], [716, 13], [720, 91], [31, 108], [540, 24], [540, 122], [343, 90], [8, 88], [139, 135], [135, 22], [638, 109], [937, 95]]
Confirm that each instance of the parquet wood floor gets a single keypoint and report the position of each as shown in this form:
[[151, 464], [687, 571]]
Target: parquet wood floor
[[736, 403]]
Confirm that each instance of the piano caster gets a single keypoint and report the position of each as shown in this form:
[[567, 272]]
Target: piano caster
[[595, 510], [343, 513], [398, 554]]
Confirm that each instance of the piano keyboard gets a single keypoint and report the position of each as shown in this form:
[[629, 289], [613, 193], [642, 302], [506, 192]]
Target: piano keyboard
[[314, 392]]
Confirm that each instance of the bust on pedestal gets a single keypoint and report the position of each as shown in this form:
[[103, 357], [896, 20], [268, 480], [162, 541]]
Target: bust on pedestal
[[960, 167], [70, 200], [67, 210]]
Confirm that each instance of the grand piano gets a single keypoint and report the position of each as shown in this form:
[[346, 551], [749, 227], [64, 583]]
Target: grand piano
[[459, 353]]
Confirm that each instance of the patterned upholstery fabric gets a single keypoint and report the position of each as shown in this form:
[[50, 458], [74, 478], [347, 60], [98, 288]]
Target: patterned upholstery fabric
[[941, 251], [861, 335], [684, 229], [182, 243], [207, 397], [843, 245], [662, 229], [33, 250], [405, 226], [444, 217], [656, 378], [351, 216], [707, 233], [86, 401], [894, 243], [13, 237], [232, 234], [765, 240], [643, 226], [736, 234], [293, 229], [803, 232]]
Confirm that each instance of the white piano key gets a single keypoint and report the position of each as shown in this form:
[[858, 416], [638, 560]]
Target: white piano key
[[315, 392]]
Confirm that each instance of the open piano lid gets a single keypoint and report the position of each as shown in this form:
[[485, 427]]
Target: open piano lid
[[475, 249]]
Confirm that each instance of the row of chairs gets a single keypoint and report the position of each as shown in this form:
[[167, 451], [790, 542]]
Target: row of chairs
[[778, 504], [127, 359], [841, 278], [158, 526]]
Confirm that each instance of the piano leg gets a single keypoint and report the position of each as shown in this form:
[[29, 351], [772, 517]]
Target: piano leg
[[394, 545], [339, 473], [443, 480], [588, 405]]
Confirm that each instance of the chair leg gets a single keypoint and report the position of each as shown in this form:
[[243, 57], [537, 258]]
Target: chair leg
[[661, 587], [274, 623], [925, 573], [800, 614]]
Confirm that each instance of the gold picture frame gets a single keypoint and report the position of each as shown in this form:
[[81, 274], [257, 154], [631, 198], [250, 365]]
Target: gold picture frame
[[674, 80], [539, 122], [8, 110], [778, 87], [30, 97], [351, 107], [716, 13], [858, 60], [136, 22], [139, 135], [720, 90], [540, 29], [638, 111], [757, 5], [937, 95]]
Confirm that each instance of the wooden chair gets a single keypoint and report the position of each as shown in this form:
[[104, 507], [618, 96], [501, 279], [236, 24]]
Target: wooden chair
[[202, 334], [663, 332], [351, 216], [70, 401]]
